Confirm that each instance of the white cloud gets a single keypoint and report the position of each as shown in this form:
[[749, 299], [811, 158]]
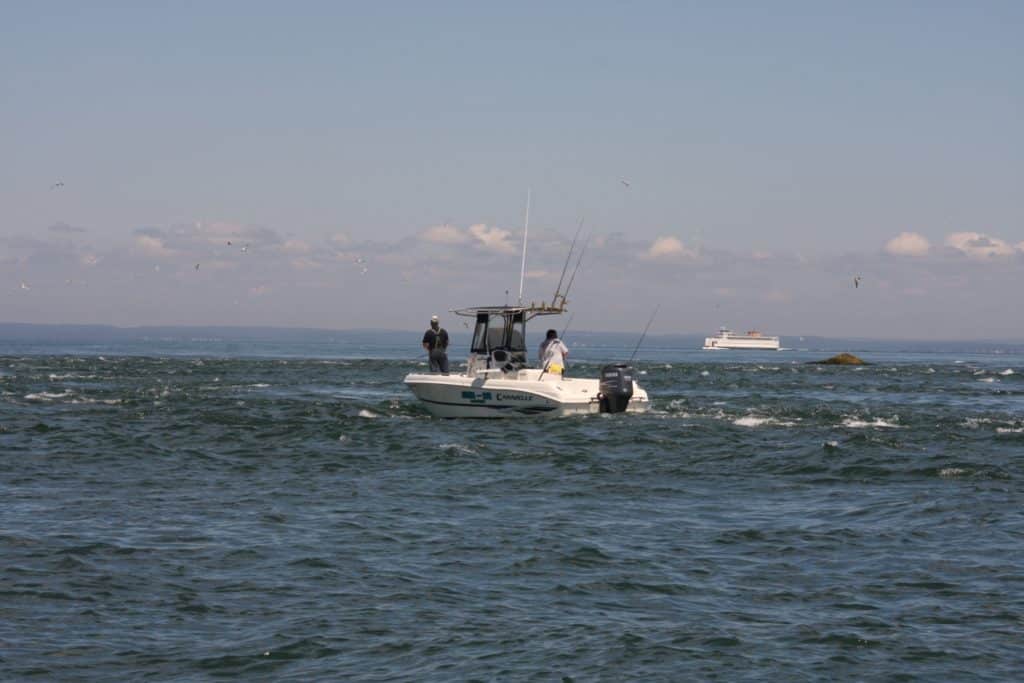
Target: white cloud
[[219, 229], [444, 234], [978, 245], [65, 228], [494, 239], [296, 247], [669, 248], [908, 244], [153, 246], [303, 263]]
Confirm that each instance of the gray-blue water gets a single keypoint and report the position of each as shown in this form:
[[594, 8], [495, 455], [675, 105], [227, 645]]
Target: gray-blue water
[[195, 509]]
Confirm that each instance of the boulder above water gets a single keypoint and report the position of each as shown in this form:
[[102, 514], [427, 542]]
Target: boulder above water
[[841, 359]]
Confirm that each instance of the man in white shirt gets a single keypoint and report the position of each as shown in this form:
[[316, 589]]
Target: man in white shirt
[[552, 353]]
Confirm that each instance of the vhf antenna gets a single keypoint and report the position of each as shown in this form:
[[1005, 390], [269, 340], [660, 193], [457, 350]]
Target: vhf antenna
[[526, 232]]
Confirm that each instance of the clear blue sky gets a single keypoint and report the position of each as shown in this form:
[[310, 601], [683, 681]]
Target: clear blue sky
[[773, 152]]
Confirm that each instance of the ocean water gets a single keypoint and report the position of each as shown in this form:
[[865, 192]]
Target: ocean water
[[206, 508]]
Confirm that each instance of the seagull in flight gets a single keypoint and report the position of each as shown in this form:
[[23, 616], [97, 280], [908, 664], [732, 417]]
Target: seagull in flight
[[245, 248], [24, 286], [625, 182], [56, 185], [856, 282], [197, 266]]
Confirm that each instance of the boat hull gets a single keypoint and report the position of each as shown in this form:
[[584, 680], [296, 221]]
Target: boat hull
[[716, 344], [549, 396]]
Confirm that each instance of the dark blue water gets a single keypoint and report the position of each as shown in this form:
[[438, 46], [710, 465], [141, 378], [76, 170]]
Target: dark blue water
[[207, 508]]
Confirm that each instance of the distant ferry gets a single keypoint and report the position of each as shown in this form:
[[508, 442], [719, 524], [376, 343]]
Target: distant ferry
[[752, 340]]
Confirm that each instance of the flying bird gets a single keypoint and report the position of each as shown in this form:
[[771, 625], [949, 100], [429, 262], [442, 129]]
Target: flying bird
[[625, 182], [245, 248], [197, 266], [856, 282], [229, 243], [24, 286], [57, 184]]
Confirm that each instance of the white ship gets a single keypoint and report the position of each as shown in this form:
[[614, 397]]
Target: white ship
[[752, 340]]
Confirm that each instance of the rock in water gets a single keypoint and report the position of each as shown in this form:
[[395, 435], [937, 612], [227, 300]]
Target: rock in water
[[841, 359]]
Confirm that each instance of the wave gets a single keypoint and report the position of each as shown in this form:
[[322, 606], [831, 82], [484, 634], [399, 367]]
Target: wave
[[855, 423], [952, 472], [46, 396], [755, 421]]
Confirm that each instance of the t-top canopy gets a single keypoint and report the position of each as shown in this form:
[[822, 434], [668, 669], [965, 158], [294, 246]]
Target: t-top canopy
[[527, 312]]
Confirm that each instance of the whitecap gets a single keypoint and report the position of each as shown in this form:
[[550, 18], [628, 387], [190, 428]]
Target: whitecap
[[457, 448], [754, 421], [46, 396], [704, 373], [855, 423], [259, 385], [831, 444], [988, 380], [952, 472], [1007, 372], [368, 413], [1009, 430]]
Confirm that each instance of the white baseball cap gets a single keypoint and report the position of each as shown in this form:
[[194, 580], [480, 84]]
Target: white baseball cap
[[434, 318]]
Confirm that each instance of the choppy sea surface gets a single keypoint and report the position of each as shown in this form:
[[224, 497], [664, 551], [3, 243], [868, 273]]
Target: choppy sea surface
[[214, 509]]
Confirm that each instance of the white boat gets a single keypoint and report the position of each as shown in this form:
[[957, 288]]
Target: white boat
[[752, 340], [498, 381]]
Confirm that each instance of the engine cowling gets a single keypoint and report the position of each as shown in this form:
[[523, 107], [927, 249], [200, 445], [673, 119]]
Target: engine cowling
[[616, 387]]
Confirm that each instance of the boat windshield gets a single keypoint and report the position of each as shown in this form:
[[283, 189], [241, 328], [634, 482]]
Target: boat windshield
[[505, 330]]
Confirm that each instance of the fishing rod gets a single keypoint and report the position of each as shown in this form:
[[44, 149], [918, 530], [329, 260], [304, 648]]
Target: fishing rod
[[565, 267], [645, 333], [566, 328], [576, 269]]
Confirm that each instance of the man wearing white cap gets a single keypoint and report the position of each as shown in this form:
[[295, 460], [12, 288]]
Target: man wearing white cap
[[435, 341]]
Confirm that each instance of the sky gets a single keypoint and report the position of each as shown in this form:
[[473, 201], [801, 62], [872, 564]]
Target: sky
[[365, 165]]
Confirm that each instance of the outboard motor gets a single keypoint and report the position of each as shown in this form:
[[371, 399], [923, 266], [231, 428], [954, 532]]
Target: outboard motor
[[616, 387]]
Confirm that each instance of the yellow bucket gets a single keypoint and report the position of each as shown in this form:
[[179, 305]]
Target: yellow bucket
[[555, 369]]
